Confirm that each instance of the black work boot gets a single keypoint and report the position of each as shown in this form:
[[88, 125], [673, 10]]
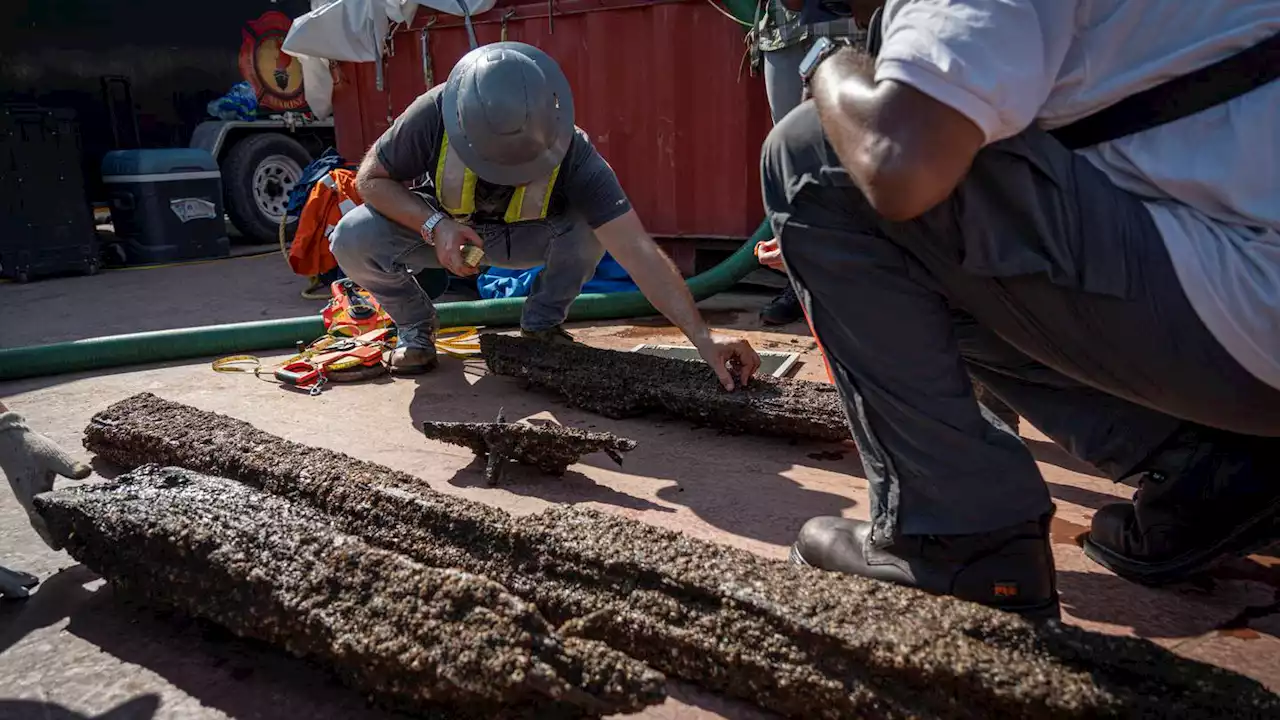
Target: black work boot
[[556, 335], [1010, 569], [1202, 496], [783, 309]]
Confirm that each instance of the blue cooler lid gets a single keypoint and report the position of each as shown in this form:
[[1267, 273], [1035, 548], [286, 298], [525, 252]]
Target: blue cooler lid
[[126, 165]]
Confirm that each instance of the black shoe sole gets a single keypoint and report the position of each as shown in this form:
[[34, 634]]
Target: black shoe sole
[[1254, 534], [777, 322], [1043, 612], [26, 580], [413, 369]]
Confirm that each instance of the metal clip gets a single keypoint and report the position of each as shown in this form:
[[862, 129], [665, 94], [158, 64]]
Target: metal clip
[[318, 387], [505, 17]]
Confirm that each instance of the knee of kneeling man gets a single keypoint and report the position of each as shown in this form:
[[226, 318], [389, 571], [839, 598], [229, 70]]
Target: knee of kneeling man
[[795, 146], [354, 233]]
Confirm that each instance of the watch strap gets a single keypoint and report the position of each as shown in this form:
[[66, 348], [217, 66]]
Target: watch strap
[[428, 228]]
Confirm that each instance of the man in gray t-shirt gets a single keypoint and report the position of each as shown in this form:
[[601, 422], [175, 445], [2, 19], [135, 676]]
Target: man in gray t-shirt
[[495, 164]]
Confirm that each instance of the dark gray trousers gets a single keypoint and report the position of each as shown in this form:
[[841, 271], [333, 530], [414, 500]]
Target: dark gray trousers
[[1038, 276]]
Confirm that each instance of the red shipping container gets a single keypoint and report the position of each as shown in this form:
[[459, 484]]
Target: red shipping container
[[661, 87]]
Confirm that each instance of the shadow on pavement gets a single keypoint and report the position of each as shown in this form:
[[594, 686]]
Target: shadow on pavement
[[143, 707], [572, 488], [245, 679], [1240, 598], [738, 484]]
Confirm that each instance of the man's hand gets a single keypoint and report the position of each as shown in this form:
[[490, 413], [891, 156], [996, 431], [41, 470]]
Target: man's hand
[[769, 253], [625, 238], [730, 355], [31, 461], [450, 235]]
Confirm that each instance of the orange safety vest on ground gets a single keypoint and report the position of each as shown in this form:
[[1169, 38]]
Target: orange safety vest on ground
[[332, 197]]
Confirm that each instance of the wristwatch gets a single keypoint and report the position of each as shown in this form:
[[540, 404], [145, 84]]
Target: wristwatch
[[822, 48], [429, 227]]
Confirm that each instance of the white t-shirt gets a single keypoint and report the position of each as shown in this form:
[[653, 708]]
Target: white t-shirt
[[1211, 181]]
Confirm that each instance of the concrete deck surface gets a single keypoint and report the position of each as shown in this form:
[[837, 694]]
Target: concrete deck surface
[[75, 651]]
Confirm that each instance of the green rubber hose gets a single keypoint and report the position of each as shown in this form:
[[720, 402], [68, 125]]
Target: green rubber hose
[[744, 10], [185, 343]]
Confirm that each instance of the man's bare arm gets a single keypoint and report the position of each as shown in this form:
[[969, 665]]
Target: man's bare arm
[[653, 272], [657, 277], [390, 197], [906, 151]]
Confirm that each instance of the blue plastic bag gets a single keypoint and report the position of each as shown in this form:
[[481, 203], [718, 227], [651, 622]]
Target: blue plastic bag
[[502, 283], [240, 103]]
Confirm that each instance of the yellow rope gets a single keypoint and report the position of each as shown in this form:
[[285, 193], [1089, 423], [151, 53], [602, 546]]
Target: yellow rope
[[459, 342]]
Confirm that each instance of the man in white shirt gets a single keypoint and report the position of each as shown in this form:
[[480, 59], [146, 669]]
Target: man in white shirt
[[1123, 298]]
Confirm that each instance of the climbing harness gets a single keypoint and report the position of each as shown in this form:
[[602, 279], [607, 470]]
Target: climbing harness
[[352, 310]]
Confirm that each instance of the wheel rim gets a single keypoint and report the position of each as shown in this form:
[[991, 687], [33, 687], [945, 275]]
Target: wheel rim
[[274, 177]]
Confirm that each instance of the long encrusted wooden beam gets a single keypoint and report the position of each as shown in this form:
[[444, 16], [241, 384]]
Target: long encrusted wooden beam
[[413, 637]]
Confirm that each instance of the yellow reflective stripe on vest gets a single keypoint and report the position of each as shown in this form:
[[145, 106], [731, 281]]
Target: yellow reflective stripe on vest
[[456, 189], [530, 202], [455, 183]]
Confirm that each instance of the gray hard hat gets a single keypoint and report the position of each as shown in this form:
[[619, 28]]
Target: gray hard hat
[[508, 110]]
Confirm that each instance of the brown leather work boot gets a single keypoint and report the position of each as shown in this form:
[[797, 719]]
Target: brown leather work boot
[[556, 335], [1202, 496], [413, 360], [1010, 569]]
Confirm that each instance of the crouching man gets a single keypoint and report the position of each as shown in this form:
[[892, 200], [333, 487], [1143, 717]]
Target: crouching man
[[981, 198], [499, 165]]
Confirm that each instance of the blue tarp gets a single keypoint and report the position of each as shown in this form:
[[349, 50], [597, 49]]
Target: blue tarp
[[500, 283]]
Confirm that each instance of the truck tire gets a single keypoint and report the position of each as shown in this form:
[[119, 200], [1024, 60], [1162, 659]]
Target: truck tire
[[257, 174]]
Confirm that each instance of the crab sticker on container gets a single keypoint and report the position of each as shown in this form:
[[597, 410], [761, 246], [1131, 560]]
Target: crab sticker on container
[[188, 209], [276, 76]]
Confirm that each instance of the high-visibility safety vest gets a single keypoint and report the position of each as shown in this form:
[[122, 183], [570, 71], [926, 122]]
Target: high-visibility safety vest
[[332, 197], [456, 190]]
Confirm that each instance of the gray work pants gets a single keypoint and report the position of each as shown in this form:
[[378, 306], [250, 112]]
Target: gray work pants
[[382, 256], [782, 81], [1038, 276]]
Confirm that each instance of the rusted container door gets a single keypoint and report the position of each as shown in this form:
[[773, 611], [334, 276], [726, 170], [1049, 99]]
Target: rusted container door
[[661, 87]]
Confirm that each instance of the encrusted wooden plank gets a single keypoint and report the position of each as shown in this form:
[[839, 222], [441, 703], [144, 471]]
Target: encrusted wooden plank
[[413, 637]]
